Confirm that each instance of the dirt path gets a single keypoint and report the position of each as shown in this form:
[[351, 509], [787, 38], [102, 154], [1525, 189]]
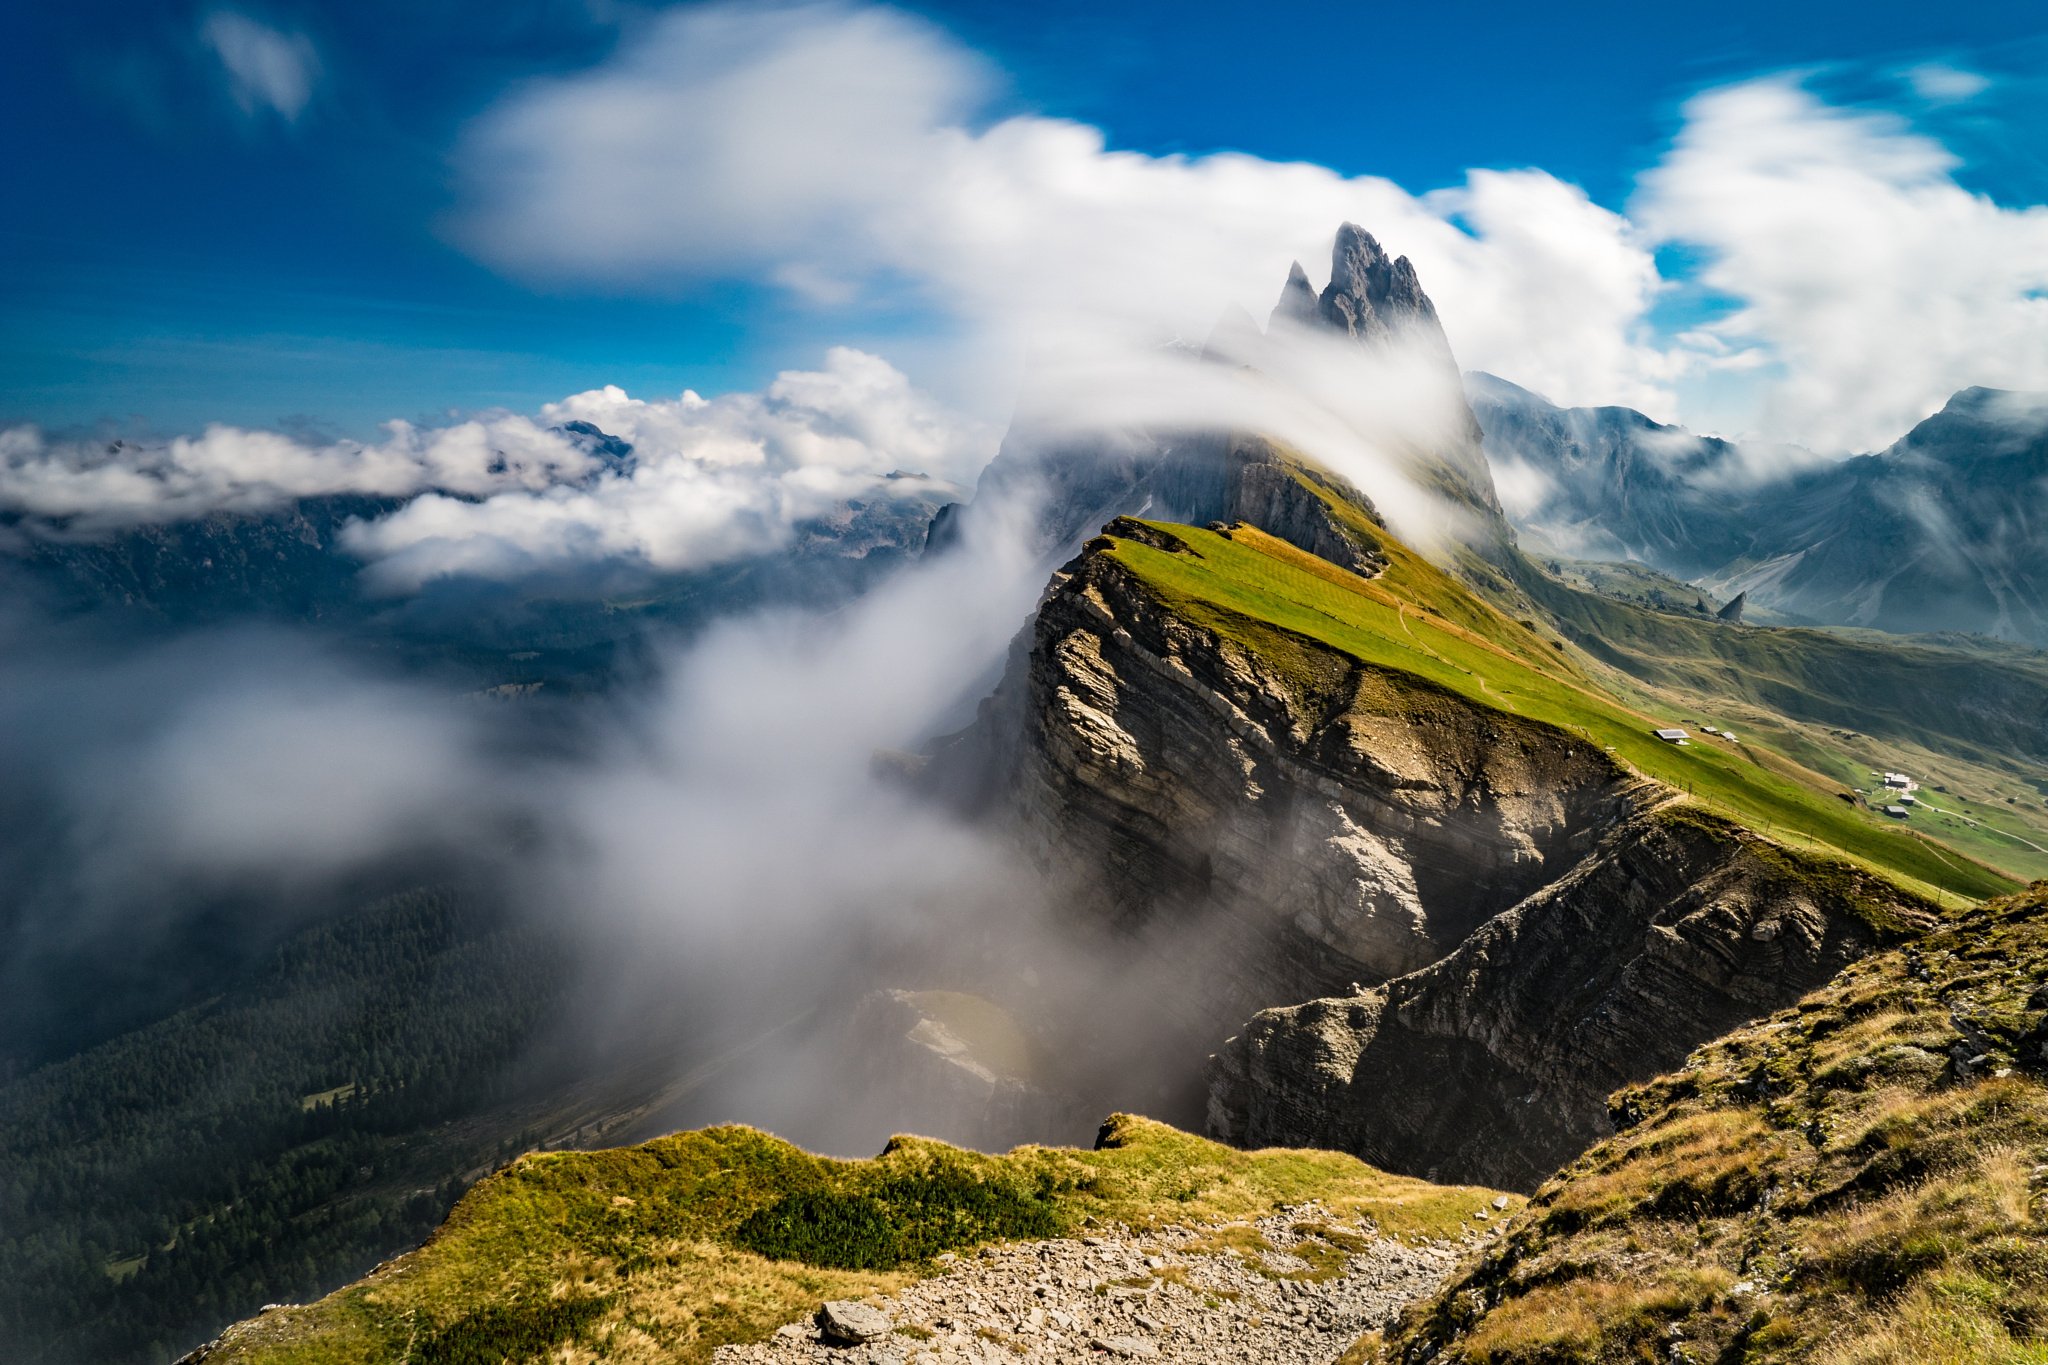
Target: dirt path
[[1990, 829], [1295, 1288]]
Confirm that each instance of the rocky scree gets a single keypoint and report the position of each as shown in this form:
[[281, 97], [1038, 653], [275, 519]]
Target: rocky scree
[[1299, 1285]]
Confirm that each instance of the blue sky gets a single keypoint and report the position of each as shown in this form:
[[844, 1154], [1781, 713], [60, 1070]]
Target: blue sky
[[172, 255]]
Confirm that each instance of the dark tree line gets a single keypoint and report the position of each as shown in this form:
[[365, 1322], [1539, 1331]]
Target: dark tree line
[[267, 1144]]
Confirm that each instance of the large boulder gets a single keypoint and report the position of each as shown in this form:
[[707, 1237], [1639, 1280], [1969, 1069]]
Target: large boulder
[[852, 1324]]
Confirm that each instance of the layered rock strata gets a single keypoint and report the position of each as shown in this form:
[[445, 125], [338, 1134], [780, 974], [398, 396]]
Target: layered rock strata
[[1495, 1064], [1309, 826]]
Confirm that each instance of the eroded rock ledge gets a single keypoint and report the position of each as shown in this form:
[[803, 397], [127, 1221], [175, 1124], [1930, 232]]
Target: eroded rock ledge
[[1495, 1063], [1313, 821]]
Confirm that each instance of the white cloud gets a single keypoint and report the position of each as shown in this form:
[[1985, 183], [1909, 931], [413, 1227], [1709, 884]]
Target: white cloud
[[502, 494], [1870, 280], [712, 480], [840, 152], [77, 487], [314, 771], [834, 150], [1939, 83], [266, 67]]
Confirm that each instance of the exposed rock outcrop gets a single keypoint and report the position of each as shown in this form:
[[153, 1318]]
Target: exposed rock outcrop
[[1077, 486], [1376, 298], [1319, 820], [1496, 1063]]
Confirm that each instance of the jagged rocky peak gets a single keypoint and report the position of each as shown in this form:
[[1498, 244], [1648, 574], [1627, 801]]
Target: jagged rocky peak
[[1375, 297], [1083, 477], [1297, 306], [1371, 297], [1235, 339]]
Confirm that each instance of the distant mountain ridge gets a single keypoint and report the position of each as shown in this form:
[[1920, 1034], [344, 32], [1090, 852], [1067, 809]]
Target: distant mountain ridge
[[555, 626], [1944, 530]]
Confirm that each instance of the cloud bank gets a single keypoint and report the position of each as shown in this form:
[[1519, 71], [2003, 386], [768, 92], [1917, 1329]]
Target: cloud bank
[[845, 153], [1872, 281], [836, 151], [1839, 283], [704, 480], [716, 839], [710, 480]]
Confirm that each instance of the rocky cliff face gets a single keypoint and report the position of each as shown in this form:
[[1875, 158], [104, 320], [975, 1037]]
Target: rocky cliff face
[[1502, 924], [1609, 483], [1519, 924], [1941, 531], [1497, 1061], [1076, 487], [1312, 825]]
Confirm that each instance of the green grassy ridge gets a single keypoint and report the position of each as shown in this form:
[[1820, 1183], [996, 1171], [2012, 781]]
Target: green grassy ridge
[[1415, 618], [663, 1251], [2004, 825], [1826, 1185]]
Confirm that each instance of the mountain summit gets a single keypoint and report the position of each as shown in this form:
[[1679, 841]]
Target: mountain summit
[[1369, 349], [1375, 297], [1298, 304]]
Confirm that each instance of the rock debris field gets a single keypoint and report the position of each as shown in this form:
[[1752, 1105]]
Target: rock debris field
[[1295, 1288]]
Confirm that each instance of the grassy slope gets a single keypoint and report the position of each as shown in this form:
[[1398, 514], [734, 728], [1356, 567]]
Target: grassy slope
[[1419, 620], [655, 1253], [1892, 687], [1821, 1186], [661, 1252], [1958, 712]]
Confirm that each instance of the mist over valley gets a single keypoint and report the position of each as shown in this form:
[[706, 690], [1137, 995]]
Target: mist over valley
[[1184, 754]]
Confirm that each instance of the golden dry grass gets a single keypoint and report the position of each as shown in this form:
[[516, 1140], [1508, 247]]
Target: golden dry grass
[[1823, 1186]]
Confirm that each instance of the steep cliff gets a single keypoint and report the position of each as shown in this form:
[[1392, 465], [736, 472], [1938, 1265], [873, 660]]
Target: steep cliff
[[1331, 820], [1857, 1179], [1497, 1061], [1297, 782]]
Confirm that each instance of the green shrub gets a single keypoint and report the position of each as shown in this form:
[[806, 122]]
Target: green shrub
[[517, 1332], [904, 1219]]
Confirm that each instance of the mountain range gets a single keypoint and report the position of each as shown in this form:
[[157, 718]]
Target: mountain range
[[1944, 530], [1551, 1038], [1559, 1039]]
